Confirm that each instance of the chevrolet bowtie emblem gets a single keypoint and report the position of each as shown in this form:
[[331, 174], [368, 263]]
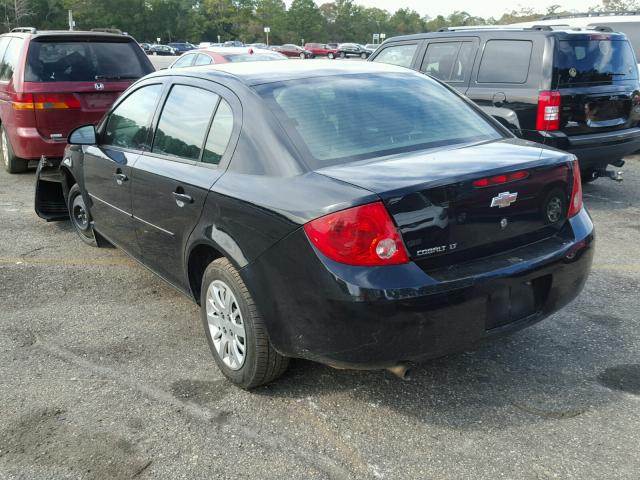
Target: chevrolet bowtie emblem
[[504, 199]]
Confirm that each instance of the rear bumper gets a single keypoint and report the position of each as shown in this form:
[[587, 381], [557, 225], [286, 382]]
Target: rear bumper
[[598, 150], [376, 317], [28, 144]]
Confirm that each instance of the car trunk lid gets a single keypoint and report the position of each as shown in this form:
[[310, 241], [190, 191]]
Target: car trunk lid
[[446, 213]]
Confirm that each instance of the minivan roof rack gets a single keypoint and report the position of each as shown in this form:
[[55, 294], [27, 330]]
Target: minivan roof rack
[[24, 30], [117, 31], [494, 27]]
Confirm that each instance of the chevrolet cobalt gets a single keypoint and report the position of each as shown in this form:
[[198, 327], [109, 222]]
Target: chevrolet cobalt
[[356, 214]]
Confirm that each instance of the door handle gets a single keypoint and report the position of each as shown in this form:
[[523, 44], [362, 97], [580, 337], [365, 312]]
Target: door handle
[[120, 178], [182, 199]]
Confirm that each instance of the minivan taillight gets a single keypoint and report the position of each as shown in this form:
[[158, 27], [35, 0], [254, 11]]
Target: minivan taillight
[[364, 236], [548, 117], [576, 192], [45, 101]]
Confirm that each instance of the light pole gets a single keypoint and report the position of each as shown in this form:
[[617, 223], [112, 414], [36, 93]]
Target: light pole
[[266, 31]]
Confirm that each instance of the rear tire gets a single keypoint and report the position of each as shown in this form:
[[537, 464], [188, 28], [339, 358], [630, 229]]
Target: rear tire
[[80, 216], [235, 331], [12, 164]]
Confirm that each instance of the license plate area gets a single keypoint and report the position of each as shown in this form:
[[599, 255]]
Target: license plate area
[[516, 301]]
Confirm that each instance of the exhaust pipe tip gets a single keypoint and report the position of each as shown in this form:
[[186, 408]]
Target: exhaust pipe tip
[[401, 370]]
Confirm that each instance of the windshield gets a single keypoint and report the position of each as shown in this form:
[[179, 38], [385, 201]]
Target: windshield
[[340, 119], [594, 61], [83, 61]]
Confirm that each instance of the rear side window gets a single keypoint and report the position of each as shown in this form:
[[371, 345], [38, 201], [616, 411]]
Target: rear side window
[[219, 134], [440, 60], [83, 61], [4, 42], [10, 59], [184, 122], [593, 61], [128, 125], [253, 57], [401, 55], [505, 61]]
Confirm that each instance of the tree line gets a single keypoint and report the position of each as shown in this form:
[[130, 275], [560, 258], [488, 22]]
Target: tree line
[[244, 20]]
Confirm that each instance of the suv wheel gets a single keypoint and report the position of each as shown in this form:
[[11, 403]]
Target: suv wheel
[[12, 164], [235, 330], [80, 216]]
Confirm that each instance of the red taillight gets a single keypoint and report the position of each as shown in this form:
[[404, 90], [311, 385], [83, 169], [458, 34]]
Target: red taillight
[[363, 235], [548, 117], [55, 101], [500, 179], [576, 192], [22, 101]]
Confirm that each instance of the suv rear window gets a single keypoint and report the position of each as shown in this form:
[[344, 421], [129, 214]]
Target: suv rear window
[[505, 61], [594, 61], [354, 117], [82, 61]]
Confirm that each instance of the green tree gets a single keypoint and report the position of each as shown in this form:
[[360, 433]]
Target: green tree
[[306, 22]]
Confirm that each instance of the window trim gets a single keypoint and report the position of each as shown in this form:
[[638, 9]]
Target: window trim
[[484, 50]]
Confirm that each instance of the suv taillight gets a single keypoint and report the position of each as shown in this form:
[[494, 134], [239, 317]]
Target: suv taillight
[[548, 117], [364, 236], [575, 204]]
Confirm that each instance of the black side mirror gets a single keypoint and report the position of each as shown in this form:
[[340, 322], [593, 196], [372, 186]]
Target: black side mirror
[[85, 135]]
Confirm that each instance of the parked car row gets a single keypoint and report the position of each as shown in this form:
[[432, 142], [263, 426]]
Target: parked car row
[[310, 217]]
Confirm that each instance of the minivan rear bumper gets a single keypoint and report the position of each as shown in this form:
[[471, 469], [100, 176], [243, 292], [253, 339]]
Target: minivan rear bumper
[[600, 149], [357, 317], [28, 144]]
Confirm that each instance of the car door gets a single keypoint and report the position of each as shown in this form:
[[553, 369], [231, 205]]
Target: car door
[[450, 60], [172, 180], [107, 166]]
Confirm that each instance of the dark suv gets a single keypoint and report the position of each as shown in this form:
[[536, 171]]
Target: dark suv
[[54, 81], [573, 90]]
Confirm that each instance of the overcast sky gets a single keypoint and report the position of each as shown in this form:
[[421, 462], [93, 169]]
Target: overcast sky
[[481, 8]]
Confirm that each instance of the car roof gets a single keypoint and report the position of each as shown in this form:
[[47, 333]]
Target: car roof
[[503, 31], [256, 73]]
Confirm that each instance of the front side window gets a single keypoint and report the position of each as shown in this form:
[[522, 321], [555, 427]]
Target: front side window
[[10, 60], [128, 125], [184, 61], [203, 60], [352, 117], [505, 61], [401, 55], [184, 122], [440, 60]]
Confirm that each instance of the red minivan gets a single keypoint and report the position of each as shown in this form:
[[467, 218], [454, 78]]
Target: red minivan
[[54, 81]]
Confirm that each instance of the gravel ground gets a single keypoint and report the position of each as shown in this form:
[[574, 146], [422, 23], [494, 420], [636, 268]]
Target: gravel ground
[[105, 373]]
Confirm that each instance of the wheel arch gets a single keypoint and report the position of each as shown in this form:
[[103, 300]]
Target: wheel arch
[[200, 255]]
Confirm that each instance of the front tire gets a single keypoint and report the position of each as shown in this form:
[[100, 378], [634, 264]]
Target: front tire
[[235, 331], [363, 56], [12, 164], [303, 56], [343, 55], [331, 56], [80, 216]]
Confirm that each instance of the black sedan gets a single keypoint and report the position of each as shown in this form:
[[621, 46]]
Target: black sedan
[[311, 217], [353, 50]]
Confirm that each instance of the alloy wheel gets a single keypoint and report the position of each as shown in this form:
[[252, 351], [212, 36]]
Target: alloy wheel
[[226, 325]]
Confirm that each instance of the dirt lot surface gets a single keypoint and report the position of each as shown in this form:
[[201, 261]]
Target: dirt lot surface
[[105, 374]]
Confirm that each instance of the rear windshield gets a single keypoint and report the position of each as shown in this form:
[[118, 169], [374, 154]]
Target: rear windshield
[[340, 119], [594, 61], [253, 57], [83, 61]]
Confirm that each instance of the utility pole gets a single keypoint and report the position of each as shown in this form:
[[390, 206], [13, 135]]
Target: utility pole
[[267, 30], [72, 22]]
